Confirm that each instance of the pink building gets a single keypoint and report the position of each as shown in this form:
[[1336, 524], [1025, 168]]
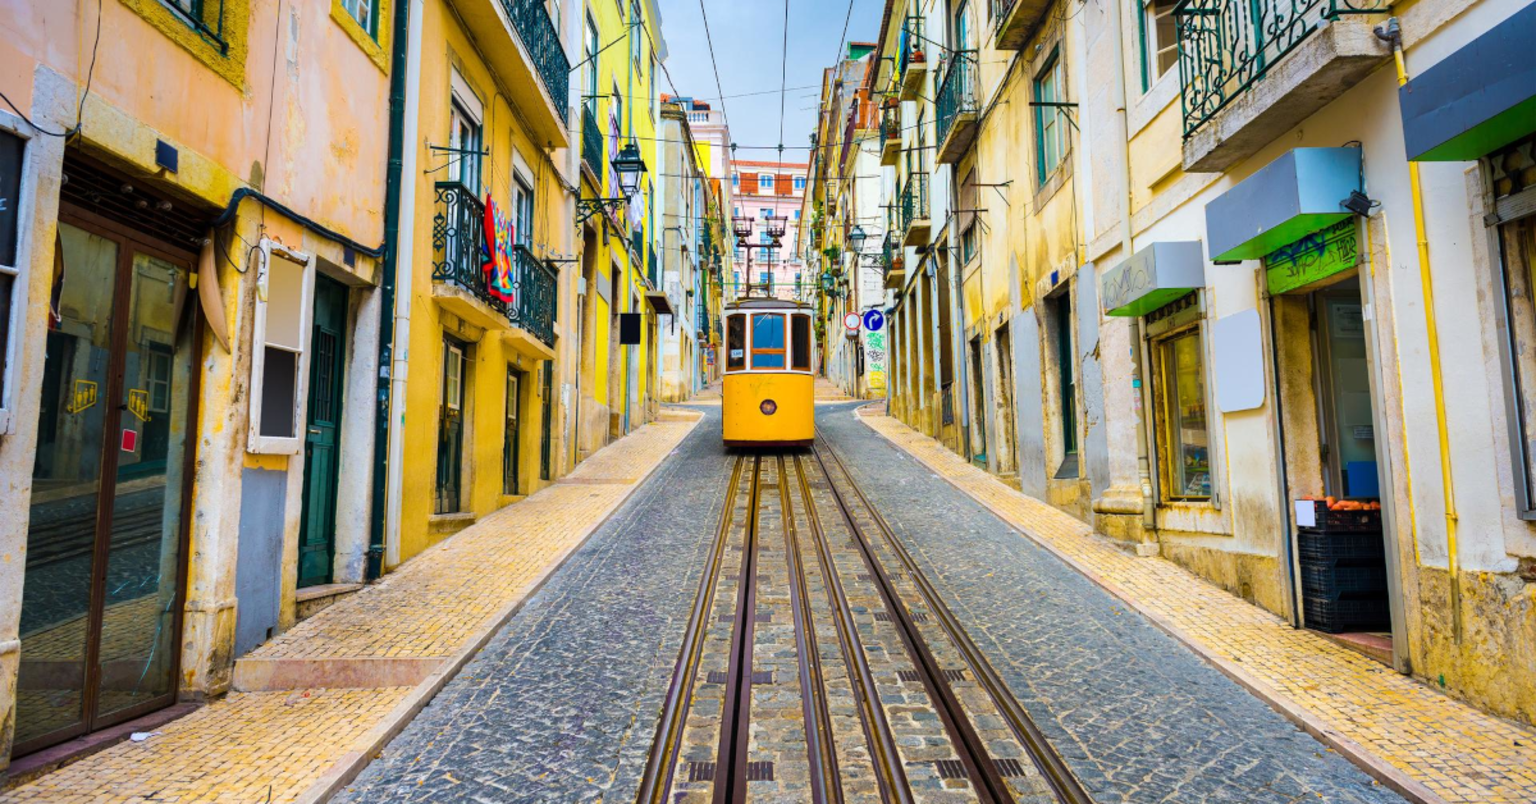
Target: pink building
[[760, 190]]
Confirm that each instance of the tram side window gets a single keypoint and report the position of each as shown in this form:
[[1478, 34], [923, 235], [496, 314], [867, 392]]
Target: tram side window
[[735, 343], [768, 341], [800, 339]]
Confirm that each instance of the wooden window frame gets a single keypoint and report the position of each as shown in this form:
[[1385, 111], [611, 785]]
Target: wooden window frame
[[1182, 324], [21, 277], [280, 445]]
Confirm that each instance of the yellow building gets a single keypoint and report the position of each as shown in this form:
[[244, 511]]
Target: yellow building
[[621, 58], [480, 337], [191, 196]]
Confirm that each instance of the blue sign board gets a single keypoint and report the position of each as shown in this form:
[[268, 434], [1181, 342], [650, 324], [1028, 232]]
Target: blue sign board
[[873, 320]]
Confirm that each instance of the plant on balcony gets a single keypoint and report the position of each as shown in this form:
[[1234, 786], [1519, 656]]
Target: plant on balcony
[[832, 253]]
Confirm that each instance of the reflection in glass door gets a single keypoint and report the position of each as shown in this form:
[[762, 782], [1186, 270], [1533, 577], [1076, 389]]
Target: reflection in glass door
[[105, 543]]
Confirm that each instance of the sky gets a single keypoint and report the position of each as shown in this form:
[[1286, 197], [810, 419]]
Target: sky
[[749, 39]]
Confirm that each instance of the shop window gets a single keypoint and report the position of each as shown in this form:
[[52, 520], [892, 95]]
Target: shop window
[[1159, 40], [1050, 120], [285, 282], [736, 343], [767, 340], [1180, 421], [12, 162]]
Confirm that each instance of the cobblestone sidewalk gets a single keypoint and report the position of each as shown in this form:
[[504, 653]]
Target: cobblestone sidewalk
[[295, 744], [1436, 748]]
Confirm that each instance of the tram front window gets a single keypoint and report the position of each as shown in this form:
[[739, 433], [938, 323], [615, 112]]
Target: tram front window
[[768, 341], [800, 337], [735, 343]]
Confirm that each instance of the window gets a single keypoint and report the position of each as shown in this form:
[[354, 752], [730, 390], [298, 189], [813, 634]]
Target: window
[[522, 210], [285, 280], [765, 183], [797, 214], [970, 199], [767, 340], [765, 213], [1159, 40], [589, 48], [1179, 415], [13, 150], [736, 341], [464, 137], [736, 182], [799, 183], [636, 39], [962, 29], [450, 429], [1517, 247], [364, 11], [800, 338], [1050, 121]]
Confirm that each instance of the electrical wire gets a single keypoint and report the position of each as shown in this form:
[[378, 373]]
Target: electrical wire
[[784, 74], [715, 66], [90, 75]]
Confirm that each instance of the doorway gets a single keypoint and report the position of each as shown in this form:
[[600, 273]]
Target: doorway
[[317, 525], [978, 406], [511, 432], [107, 536]]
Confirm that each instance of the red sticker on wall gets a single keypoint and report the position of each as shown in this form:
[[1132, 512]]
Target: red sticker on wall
[[130, 441]]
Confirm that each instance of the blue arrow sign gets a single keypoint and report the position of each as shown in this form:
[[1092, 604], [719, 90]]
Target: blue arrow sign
[[873, 320]]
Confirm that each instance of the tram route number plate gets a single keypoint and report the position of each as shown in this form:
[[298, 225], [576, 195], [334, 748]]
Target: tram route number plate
[[852, 321]]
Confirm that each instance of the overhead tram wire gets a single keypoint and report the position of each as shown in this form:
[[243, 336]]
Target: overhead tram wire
[[715, 66]]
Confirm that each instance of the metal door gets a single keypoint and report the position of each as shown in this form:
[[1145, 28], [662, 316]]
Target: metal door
[[327, 367]]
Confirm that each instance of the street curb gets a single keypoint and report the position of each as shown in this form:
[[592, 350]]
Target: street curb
[[345, 769], [1389, 775]]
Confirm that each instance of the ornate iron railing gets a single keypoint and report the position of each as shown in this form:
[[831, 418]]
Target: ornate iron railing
[[957, 92], [914, 200], [1000, 9], [1225, 46], [458, 253], [531, 19], [591, 142], [914, 47]]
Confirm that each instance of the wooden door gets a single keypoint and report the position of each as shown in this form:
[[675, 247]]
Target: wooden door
[[327, 367]]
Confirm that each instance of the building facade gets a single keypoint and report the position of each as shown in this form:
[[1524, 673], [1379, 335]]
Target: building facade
[[692, 231], [766, 199], [1222, 276]]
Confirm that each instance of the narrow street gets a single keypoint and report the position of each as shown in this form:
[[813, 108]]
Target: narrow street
[[894, 641]]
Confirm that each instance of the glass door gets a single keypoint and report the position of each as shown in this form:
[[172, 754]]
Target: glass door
[[106, 538]]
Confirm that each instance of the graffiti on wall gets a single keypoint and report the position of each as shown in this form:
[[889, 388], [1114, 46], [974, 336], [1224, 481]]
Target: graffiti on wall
[[874, 360]]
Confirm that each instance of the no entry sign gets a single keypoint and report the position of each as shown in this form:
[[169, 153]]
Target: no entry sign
[[851, 321]]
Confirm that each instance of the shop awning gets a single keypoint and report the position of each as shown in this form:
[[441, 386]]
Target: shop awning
[[1152, 277], [1476, 100], [659, 302], [1288, 199]]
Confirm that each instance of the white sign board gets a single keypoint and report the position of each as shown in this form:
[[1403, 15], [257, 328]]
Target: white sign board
[[1238, 345], [852, 321]]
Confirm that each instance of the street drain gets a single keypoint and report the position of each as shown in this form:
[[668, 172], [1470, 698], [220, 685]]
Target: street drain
[[762, 677], [718, 677], [954, 675], [759, 771], [701, 771], [950, 768], [1008, 767], [908, 676]]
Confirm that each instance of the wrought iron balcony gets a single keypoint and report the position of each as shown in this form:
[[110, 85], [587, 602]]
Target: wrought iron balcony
[[653, 265], [591, 144], [890, 135], [1227, 46], [914, 210], [1014, 20], [913, 58], [957, 107], [531, 19], [458, 252]]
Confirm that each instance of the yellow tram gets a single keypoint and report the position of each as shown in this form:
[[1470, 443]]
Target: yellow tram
[[770, 396]]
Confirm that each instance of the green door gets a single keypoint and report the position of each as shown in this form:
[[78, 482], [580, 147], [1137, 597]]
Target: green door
[[317, 528]]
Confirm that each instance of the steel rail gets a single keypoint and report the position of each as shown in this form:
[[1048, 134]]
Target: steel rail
[[736, 716], [826, 784], [877, 730], [656, 783], [985, 779], [1062, 781]]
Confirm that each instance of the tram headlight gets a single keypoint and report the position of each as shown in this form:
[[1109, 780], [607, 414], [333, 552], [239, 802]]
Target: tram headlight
[[769, 407]]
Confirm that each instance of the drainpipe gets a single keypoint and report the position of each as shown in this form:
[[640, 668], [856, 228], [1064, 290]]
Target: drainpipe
[[404, 152], [1127, 246], [1392, 32]]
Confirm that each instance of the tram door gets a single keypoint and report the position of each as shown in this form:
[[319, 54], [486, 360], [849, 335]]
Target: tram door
[[106, 539]]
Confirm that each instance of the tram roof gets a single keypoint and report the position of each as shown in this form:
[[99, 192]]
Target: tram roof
[[766, 304]]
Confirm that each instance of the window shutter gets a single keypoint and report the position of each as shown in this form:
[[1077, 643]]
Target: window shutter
[[970, 197]]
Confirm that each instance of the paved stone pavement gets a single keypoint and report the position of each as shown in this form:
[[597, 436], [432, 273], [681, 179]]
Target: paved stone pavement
[[562, 705], [1136, 715], [277, 746], [1446, 748]]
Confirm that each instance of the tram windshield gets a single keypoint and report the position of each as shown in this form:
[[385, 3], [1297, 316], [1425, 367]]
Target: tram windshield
[[768, 341], [800, 339]]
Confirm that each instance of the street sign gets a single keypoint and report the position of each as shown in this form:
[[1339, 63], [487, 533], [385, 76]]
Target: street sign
[[874, 320], [851, 322]]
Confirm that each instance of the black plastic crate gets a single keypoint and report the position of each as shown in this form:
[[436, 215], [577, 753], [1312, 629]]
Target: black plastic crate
[[1338, 615], [1342, 521], [1346, 549], [1333, 580]]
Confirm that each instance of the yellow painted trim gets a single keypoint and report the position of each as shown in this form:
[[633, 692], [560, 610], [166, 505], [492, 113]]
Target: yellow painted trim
[[377, 49], [237, 20]]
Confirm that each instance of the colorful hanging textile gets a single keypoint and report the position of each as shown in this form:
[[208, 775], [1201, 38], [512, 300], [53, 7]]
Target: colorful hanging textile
[[499, 238]]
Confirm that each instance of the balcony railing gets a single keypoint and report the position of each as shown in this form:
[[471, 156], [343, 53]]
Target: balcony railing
[[957, 92], [654, 265], [591, 142], [914, 48], [458, 250], [1227, 45], [914, 200], [531, 19], [890, 126]]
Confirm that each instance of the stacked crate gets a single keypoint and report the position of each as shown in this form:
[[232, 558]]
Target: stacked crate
[[1344, 571]]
